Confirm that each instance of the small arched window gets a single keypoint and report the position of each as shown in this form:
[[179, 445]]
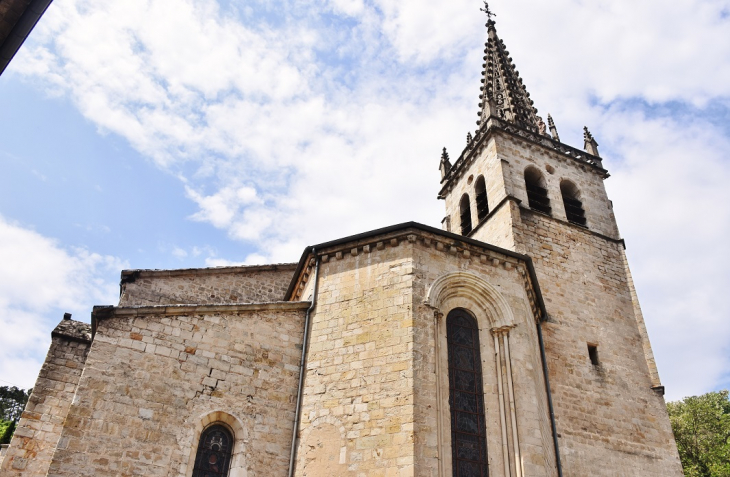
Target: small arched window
[[465, 214], [214, 452], [480, 189], [573, 205], [537, 195], [466, 396]]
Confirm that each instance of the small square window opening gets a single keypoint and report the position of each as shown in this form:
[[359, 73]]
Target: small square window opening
[[593, 354]]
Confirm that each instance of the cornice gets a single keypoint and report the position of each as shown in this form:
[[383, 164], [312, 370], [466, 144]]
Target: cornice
[[494, 125], [419, 235]]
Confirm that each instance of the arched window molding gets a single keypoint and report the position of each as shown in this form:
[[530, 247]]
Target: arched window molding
[[495, 320], [537, 194], [465, 215], [572, 202], [467, 290], [239, 433], [322, 458], [480, 189]]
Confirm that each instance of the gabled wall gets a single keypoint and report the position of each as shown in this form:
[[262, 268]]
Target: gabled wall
[[376, 388]]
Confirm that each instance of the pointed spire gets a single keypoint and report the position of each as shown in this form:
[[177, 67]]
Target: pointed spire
[[591, 146], [503, 94], [553, 129], [445, 165]]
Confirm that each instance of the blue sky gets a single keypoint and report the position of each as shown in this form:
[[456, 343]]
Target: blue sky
[[191, 133]]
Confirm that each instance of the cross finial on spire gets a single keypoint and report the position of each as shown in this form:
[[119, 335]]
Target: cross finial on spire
[[488, 11]]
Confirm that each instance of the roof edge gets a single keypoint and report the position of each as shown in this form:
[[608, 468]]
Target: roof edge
[[20, 31], [140, 273], [424, 228]]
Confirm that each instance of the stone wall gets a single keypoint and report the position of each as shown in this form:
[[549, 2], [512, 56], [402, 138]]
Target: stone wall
[[359, 383], [156, 376], [508, 279], [487, 164], [255, 284], [41, 424], [518, 155], [503, 161], [605, 413], [376, 388]]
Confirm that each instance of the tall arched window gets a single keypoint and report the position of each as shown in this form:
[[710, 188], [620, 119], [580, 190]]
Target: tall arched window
[[214, 452], [536, 190], [465, 214], [466, 396], [573, 205], [482, 205]]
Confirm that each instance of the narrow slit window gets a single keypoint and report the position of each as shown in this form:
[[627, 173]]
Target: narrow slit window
[[482, 204], [214, 452], [537, 194], [574, 211], [466, 396], [465, 213], [593, 354]]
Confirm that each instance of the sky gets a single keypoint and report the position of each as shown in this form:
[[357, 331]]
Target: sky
[[194, 133]]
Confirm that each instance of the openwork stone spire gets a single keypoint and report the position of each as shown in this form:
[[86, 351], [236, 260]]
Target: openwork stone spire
[[503, 93]]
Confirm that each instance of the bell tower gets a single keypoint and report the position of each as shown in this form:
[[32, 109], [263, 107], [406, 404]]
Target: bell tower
[[517, 186]]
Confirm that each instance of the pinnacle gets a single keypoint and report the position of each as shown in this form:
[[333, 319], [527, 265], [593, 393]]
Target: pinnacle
[[591, 145], [445, 156], [553, 129]]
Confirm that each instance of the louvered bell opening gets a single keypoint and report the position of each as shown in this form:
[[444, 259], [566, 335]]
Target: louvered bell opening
[[482, 206], [538, 198], [465, 215], [574, 211], [466, 222]]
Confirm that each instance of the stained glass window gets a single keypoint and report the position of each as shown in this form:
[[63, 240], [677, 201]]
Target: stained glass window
[[466, 396], [214, 452]]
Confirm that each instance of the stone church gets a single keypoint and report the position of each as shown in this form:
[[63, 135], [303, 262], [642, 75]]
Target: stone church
[[510, 342]]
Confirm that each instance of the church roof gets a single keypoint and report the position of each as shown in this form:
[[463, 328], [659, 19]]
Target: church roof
[[17, 19], [451, 238]]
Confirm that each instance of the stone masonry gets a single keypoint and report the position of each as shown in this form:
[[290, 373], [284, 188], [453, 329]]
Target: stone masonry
[[155, 373], [42, 421], [353, 361], [590, 299], [376, 386], [252, 284]]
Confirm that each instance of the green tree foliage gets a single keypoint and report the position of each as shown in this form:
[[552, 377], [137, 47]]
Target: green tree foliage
[[701, 426], [12, 404], [6, 431]]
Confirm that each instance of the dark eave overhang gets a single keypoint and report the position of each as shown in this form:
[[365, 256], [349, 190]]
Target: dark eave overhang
[[10, 45], [493, 125], [304, 260]]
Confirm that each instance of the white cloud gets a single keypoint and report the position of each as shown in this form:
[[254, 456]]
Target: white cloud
[[301, 129], [39, 281], [669, 193]]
